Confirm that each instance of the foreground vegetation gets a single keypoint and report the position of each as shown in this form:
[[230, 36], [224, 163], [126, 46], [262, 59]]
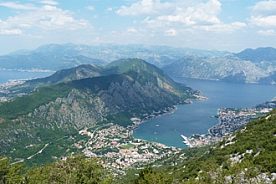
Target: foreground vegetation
[[72, 170], [248, 156]]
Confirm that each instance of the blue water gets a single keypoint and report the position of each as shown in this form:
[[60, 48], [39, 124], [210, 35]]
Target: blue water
[[5, 76], [198, 117]]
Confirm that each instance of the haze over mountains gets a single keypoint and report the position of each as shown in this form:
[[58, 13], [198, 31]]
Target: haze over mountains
[[258, 55], [70, 55], [248, 66]]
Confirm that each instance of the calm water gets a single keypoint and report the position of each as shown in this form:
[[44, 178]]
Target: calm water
[[11, 75], [198, 117]]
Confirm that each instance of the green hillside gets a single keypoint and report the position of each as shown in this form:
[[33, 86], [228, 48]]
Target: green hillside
[[215, 164], [52, 115], [26, 104], [90, 71], [66, 75], [248, 156]]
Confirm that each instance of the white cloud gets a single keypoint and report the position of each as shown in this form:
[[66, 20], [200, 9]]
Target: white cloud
[[10, 32], [203, 13], [109, 9], [49, 2], [264, 14], [6, 29], [17, 6], [197, 16], [91, 8], [176, 11], [222, 27], [264, 6], [47, 17], [143, 7], [132, 30], [171, 32], [269, 32], [44, 18], [264, 21]]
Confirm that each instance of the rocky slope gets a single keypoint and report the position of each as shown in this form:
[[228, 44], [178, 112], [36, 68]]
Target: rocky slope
[[258, 55], [129, 88], [229, 69], [249, 66]]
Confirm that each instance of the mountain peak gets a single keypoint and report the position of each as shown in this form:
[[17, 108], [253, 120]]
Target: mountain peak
[[76, 73], [132, 64], [258, 54]]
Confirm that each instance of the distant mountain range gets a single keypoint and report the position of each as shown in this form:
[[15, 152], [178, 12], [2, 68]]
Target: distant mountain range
[[56, 57], [258, 55], [85, 96], [228, 68], [249, 66], [49, 57]]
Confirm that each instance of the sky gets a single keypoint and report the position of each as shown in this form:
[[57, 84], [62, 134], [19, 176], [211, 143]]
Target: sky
[[230, 25]]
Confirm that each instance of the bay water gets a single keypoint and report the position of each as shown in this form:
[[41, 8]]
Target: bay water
[[198, 117]]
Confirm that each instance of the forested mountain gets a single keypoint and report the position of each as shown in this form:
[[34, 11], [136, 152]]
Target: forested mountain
[[84, 97]]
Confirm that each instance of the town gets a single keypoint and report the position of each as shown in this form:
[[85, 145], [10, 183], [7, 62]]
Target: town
[[118, 149], [229, 121], [5, 93]]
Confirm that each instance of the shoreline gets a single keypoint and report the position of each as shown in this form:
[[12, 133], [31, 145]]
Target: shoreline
[[23, 79], [230, 120], [137, 123], [34, 70], [186, 141], [171, 110]]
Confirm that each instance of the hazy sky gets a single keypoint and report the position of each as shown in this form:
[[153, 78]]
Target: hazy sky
[[206, 24]]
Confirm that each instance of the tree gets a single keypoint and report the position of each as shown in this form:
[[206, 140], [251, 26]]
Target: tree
[[74, 170], [149, 176]]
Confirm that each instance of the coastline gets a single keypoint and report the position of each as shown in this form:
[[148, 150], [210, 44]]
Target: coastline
[[230, 120], [137, 121], [167, 110], [28, 70], [186, 141]]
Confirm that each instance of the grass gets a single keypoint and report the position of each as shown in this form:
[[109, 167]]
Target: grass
[[127, 146]]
